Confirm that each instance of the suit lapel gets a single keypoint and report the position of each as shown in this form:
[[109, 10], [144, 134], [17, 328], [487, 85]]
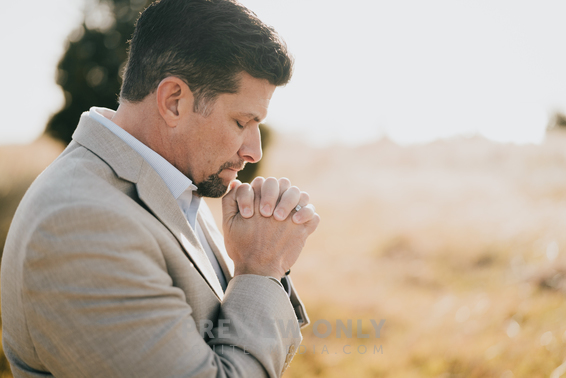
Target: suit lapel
[[155, 194], [130, 166], [216, 242]]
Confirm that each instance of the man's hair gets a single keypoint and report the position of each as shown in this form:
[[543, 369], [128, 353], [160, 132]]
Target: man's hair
[[207, 44]]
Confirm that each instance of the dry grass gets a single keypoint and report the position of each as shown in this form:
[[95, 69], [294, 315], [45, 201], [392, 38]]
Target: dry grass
[[459, 245], [19, 165]]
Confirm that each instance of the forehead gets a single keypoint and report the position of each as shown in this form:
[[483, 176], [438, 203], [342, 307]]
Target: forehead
[[252, 99]]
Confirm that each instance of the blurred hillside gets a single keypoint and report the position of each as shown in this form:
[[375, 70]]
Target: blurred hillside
[[19, 166], [458, 244]]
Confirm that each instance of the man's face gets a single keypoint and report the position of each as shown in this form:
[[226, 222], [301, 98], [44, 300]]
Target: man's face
[[211, 150]]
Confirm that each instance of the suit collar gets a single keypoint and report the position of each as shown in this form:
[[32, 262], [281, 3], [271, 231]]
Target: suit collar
[[125, 162], [130, 166], [175, 180]]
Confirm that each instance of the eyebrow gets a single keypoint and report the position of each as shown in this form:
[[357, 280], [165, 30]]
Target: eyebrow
[[253, 116]]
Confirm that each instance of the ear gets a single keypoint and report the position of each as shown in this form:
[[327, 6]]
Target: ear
[[174, 99]]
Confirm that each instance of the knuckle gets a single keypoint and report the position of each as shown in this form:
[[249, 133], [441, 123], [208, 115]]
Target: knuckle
[[235, 184], [305, 197], [243, 189], [284, 181], [315, 220], [258, 181], [294, 190]]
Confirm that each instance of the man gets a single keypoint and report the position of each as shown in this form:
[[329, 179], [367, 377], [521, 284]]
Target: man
[[113, 265]]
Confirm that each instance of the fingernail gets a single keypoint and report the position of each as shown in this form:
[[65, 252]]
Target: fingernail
[[296, 218], [246, 212], [266, 210]]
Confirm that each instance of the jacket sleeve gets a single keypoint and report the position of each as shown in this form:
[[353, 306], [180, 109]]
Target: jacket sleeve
[[99, 303]]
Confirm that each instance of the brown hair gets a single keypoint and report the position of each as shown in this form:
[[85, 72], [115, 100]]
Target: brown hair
[[206, 43]]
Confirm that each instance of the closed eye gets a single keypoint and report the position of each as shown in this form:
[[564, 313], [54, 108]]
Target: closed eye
[[239, 125]]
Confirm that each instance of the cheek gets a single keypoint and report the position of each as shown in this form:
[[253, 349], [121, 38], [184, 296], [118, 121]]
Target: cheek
[[228, 145], [219, 145]]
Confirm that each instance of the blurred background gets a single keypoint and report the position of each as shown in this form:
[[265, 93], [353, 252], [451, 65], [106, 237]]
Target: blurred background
[[430, 136]]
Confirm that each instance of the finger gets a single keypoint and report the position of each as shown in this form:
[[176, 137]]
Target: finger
[[256, 186], [269, 196], [312, 224], [304, 200], [284, 184], [306, 214], [245, 200], [229, 204], [234, 184], [288, 202]]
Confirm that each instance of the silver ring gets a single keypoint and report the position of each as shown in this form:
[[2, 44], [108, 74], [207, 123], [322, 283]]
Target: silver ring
[[298, 207]]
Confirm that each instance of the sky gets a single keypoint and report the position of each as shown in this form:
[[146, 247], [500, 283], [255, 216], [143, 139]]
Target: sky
[[410, 70]]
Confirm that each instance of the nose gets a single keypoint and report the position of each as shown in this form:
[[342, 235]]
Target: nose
[[250, 150]]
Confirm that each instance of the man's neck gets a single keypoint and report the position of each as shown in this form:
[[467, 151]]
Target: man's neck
[[143, 122]]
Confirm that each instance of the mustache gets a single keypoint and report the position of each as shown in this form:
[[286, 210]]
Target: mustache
[[229, 165]]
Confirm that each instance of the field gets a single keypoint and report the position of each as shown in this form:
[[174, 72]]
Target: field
[[460, 245]]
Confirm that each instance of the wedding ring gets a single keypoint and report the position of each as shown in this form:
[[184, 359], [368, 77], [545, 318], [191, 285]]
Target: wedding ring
[[298, 207]]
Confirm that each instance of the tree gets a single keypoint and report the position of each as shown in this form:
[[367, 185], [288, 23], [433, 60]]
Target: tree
[[90, 71], [557, 121]]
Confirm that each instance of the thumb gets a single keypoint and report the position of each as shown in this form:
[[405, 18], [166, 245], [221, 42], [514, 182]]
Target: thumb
[[229, 203]]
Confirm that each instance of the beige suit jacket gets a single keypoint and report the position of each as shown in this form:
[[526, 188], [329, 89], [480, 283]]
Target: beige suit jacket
[[103, 277]]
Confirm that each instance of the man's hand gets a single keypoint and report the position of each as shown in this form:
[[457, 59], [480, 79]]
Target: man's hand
[[277, 198], [258, 242]]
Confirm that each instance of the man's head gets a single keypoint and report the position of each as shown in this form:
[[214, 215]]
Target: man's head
[[210, 67], [206, 43]]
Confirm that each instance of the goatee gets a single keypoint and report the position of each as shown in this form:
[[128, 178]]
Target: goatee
[[213, 186]]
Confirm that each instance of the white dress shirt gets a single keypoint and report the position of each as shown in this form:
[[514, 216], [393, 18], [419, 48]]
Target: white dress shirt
[[180, 185]]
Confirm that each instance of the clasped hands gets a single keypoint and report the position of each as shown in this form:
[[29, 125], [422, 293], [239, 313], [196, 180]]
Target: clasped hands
[[263, 232]]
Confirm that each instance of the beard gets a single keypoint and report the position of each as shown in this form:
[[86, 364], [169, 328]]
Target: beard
[[213, 186]]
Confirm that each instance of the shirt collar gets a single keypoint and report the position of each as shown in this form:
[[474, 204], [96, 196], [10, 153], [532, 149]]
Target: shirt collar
[[176, 181]]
